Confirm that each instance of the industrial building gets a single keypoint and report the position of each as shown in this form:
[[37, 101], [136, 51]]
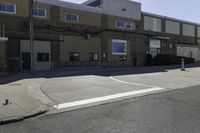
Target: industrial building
[[95, 33]]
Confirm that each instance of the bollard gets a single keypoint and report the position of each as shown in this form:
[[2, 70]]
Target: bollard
[[182, 65]]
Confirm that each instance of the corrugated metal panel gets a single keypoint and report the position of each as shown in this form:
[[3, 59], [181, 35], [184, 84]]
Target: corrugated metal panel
[[152, 24], [169, 18], [188, 51], [198, 32], [188, 30], [172, 27]]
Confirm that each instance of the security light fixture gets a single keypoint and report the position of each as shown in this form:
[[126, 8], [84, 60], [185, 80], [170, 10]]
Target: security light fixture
[[124, 9]]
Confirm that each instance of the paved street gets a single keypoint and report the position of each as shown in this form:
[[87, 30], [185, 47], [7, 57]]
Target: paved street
[[119, 100], [171, 112]]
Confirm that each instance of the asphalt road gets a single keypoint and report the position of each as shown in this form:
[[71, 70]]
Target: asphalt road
[[170, 112]]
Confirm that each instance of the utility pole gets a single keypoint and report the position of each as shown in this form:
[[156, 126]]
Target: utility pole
[[31, 33]]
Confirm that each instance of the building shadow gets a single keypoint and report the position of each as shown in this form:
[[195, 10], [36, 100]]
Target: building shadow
[[98, 71]]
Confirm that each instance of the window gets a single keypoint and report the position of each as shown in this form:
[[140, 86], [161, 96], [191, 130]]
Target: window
[[74, 56], [72, 18], [43, 57], [95, 3], [8, 8], [120, 24], [39, 12], [94, 56], [130, 26], [119, 47]]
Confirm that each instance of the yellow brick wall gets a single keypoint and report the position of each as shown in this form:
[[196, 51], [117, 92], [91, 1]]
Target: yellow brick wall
[[86, 18]]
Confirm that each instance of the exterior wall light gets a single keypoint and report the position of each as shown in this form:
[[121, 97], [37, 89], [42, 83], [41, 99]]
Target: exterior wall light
[[87, 35], [124, 9]]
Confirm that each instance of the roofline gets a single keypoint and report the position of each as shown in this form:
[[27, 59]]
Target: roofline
[[170, 18], [66, 4], [83, 7], [87, 2]]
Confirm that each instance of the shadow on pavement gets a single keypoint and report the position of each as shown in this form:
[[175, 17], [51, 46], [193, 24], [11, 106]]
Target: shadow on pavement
[[13, 77]]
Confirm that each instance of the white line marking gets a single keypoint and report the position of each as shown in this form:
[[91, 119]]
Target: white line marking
[[121, 81], [105, 98]]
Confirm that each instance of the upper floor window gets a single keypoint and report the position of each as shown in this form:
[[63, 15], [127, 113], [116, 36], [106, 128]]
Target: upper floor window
[[120, 24], [39, 12], [8, 8], [72, 18], [130, 26]]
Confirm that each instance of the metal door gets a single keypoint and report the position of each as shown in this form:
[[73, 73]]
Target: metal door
[[26, 61]]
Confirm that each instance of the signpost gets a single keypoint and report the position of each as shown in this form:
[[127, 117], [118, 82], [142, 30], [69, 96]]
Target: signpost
[[31, 32]]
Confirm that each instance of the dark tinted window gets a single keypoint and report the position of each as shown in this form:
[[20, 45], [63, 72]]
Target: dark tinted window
[[74, 56], [43, 57]]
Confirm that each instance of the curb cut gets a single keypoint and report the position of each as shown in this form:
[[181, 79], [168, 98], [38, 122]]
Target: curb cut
[[21, 118]]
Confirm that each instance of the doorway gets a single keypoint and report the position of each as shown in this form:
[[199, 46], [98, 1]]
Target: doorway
[[155, 47], [26, 61]]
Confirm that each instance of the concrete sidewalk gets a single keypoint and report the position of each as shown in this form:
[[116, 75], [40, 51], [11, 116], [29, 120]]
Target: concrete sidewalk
[[25, 100], [30, 95]]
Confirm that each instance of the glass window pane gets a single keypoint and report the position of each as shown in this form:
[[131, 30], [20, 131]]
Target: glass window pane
[[2, 7], [74, 18], [119, 47], [10, 8], [74, 56], [43, 57], [35, 12], [120, 24], [68, 17], [41, 12], [71, 17]]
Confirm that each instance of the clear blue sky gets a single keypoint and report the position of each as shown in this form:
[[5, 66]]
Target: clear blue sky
[[182, 9]]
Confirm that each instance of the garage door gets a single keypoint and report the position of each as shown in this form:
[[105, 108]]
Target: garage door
[[42, 55]]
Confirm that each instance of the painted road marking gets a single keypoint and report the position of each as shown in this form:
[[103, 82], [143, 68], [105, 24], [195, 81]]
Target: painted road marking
[[106, 98], [130, 83]]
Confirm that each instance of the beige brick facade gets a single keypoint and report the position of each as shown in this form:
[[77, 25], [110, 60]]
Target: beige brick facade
[[3, 56], [85, 18]]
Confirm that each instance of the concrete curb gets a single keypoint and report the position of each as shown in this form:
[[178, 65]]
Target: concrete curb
[[55, 111], [14, 119], [68, 109]]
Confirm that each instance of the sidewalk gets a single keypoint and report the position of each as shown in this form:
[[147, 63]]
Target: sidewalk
[[24, 101], [30, 95], [25, 97]]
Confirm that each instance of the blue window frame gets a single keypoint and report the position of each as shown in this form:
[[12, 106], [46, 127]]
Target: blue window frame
[[8, 8], [120, 24], [39, 12], [119, 47], [72, 18], [130, 26]]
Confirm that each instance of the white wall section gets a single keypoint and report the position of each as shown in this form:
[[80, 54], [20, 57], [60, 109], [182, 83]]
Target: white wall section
[[152, 24], [172, 27], [198, 31], [188, 30], [188, 51]]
